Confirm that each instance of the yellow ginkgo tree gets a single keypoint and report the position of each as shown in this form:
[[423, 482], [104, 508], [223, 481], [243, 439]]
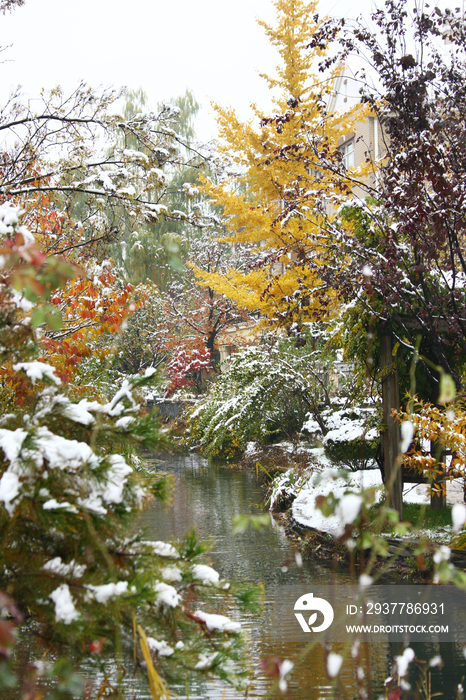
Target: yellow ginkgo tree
[[288, 178]]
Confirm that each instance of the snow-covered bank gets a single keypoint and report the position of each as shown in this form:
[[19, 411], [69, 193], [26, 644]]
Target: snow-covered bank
[[325, 479], [304, 509]]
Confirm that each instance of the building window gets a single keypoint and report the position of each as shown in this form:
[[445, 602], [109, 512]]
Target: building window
[[348, 154]]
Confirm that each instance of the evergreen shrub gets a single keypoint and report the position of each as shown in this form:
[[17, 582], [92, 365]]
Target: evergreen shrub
[[352, 439], [262, 395]]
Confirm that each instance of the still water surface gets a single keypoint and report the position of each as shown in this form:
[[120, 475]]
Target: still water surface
[[208, 497]]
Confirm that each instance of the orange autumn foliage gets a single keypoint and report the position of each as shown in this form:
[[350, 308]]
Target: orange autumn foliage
[[93, 304], [90, 310]]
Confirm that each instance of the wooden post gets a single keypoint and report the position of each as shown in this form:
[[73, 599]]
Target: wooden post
[[391, 435]]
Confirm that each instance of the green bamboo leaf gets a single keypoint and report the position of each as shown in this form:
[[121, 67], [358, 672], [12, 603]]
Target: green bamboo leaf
[[447, 388], [54, 321], [38, 316]]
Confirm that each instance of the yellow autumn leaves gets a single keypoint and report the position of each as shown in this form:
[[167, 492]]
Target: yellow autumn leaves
[[288, 180]]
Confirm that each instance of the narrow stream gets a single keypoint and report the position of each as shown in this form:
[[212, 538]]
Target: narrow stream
[[208, 497]]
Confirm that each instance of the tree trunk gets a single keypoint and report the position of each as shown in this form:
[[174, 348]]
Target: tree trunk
[[391, 435]]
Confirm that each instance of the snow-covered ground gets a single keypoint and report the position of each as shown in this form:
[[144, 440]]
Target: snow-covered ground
[[304, 509], [329, 479]]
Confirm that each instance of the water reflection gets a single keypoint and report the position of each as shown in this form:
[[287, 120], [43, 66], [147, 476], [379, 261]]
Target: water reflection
[[209, 497]]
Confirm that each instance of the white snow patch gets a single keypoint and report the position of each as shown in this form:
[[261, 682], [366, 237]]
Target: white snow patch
[[351, 430], [407, 432], [130, 191], [111, 490], [93, 503], [349, 507], [107, 591], [20, 301], [366, 271], [78, 412], [218, 622], [402, 662], [61, 453], [458, 516], [11, 442], [124, 422], [37, 371], [53, 504], [288, 483], [163, 549], [286, 667], [251, 449], [57, 566], [443, 553], [435, 661], [137, 156], [206, 660], [334, 662], [162, 648], [116, 479], [9, 489], [330, 480], [205, 573], [171, 573], [304, 506], [167, 594], [9, 217], [365, 581], [65, 610]]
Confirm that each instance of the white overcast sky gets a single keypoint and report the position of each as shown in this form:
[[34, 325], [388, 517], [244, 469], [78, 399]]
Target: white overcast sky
[[213, 47]]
